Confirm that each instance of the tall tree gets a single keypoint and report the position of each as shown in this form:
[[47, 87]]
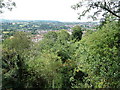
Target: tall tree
[[77, 33], [14, 53]]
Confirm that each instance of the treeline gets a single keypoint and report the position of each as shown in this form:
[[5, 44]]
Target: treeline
[[63, 60]]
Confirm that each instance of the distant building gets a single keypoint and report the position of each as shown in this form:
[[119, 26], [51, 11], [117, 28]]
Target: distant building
[[69, 31], [0, 37], [37, 38]]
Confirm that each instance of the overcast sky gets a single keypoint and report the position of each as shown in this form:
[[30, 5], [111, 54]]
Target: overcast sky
[[43, 10]]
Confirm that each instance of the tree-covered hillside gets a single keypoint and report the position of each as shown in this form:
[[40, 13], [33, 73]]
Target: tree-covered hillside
[[61, 61]]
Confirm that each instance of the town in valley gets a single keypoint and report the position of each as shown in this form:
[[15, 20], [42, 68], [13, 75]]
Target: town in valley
[[37, 28]]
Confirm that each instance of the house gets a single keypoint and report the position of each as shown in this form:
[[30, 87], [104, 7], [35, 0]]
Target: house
[[37, 38]]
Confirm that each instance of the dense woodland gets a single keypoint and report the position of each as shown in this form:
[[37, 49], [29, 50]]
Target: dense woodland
[[63, 60]]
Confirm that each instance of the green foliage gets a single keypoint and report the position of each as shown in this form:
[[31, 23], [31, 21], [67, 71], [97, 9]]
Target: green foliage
[[14, 53], [59, 62], [98, 56], [45, 71], [77, 33], [57, 44], [51, 35], [18, 45], [48, 42], [20, 42], [63, 35]]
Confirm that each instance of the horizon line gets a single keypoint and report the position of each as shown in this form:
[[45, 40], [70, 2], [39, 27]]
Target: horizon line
[[43, 20]]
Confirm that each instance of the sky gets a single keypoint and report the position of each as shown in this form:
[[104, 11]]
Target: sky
[[59, 10]]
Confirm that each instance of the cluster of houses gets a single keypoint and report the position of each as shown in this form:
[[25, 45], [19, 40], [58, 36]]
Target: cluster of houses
[[39, 36]]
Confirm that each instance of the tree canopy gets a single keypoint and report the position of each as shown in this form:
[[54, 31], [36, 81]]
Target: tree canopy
[[77, 33], [99, 6], [9, 4]]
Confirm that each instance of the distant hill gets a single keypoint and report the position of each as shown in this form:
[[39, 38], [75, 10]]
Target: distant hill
[[6, 20], [52, 21]]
